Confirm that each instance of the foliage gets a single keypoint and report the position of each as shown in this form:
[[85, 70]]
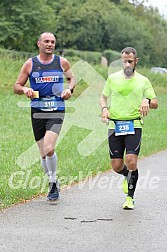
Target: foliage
[[22, 22], [90, 25], [14, 54], [91, 57], [111, 55]]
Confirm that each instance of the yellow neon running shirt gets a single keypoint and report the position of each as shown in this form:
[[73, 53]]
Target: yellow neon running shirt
[[126, 96]]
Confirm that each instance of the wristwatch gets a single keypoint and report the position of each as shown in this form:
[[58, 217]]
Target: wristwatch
[[149, 100]]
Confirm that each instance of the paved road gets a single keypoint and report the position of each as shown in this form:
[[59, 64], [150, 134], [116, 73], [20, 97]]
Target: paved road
[[89, 216]]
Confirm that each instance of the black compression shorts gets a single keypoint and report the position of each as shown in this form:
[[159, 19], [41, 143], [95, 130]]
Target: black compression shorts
[[44, 120], [118, 144]]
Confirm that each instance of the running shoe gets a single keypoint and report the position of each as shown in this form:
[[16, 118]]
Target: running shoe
[[54, 191], [129, 203], [125, 185]]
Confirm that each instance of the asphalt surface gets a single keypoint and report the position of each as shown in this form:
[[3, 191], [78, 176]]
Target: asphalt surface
[[89, 216]]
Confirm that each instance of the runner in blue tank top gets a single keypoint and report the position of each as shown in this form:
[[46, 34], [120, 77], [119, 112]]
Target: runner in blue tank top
[[45, 73]]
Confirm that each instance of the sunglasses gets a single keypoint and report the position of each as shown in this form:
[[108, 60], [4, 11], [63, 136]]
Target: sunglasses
[[128, 61]]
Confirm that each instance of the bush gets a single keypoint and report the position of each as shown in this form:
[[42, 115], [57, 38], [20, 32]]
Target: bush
[[89, 56], [111, 55], [15, 54]]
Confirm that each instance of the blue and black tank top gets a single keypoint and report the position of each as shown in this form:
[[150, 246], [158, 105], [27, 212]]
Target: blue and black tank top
[[47, 79]]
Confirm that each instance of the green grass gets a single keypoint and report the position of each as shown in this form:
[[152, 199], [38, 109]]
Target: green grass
[[155, 130], [18, 184], [17, 136]]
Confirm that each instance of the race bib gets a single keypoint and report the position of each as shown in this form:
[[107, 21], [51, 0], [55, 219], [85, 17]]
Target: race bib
[[48, 103], [124, 128]]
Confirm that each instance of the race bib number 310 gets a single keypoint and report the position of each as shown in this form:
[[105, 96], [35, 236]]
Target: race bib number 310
[[48, 104], [124, 128]]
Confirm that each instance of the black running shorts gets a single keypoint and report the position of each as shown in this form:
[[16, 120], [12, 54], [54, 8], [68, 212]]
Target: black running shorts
[[119, 144], [46, 120]]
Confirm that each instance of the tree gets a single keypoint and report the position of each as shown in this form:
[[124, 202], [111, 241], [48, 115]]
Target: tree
[[94, 25], [86, 24], [24, 21]]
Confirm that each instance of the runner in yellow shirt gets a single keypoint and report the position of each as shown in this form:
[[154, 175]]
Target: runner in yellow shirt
[[132, 95]]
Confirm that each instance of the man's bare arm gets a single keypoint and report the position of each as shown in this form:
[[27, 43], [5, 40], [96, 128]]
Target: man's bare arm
[[66, 94], [105, 112], [19, 87]]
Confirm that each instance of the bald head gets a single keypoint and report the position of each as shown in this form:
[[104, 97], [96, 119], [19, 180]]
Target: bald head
[[45, 35]]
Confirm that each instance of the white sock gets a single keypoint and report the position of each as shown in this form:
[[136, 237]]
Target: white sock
[[51, 163], [44, 165]]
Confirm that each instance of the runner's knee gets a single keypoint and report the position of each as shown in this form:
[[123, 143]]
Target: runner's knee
[[131, 163], [117, 164], [48, 149]]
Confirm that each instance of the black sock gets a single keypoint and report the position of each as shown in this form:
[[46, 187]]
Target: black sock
[[124, 171], [132, 181]]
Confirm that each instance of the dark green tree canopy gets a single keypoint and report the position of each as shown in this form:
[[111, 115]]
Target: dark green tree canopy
[[95, 25]]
